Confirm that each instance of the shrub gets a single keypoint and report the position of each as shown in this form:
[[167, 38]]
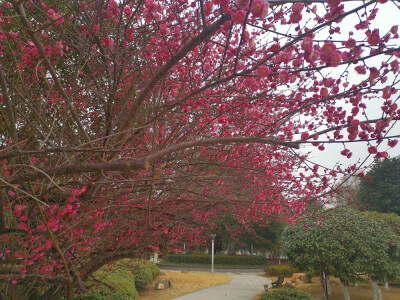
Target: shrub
[[142, 277], [125, 278], [240, 260], [153, 268], [143, 271], [276, 261], [309, 276], [122, 283], [281, 270], [287, 294]]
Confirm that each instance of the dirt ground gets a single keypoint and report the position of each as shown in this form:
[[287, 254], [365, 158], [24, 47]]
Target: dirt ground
[[182, 283]]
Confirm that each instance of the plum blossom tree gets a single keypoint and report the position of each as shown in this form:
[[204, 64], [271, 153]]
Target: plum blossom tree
[[128, 126]]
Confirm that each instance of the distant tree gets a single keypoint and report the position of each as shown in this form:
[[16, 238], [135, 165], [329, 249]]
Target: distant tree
[[343, 242], [344, 192], [264, 238], [392, 220], [253, 237], [379, 190]]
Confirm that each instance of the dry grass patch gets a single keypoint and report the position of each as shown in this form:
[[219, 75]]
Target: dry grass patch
[[182, 283], [362, 292]]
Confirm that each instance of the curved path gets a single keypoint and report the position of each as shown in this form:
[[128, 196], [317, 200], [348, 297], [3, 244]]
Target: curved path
[[243, 286]]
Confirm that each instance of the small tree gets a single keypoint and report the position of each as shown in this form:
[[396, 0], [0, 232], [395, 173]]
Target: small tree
[[343, 242], [391, 220]]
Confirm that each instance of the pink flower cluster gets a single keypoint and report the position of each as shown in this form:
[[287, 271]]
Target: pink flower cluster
[[295, 16], [55, 16], [373, 38], [259, 8], [311, 53], [330, 55]]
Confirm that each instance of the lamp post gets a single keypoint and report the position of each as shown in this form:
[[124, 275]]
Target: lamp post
[[212, 253]]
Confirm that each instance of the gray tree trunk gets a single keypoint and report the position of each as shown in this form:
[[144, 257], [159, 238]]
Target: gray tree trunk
[[379, 293], [328, 285], [324, 286], [376, 291], [387, 287], [345, 290]]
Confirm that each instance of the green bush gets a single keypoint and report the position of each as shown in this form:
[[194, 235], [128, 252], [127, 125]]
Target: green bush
[[126, 277], [229, 260], [272, 261], [309, 276], [287, 294], [143, 276], [142, 271], [281, 270], [153, 268], [122, 283]]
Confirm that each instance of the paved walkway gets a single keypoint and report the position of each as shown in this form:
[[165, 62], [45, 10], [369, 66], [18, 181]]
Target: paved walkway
[[243, 286]]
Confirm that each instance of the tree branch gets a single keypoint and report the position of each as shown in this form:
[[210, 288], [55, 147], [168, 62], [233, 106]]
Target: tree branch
[[138, 164], [9, 106], [193, 43], [222, 141], [143, 163]]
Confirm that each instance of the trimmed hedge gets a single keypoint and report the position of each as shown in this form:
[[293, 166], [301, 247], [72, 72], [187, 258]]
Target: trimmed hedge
[[125, 278], [122, 283], [287, 294], [272, 261], [281, 270], [239, 260], [153, 268], [142, 274]]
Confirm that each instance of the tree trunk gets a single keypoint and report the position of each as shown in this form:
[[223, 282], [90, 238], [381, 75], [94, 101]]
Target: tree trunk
[[376, 290], [379, 293], [345, 289], [324, 286], [328, 285], [387, 287]]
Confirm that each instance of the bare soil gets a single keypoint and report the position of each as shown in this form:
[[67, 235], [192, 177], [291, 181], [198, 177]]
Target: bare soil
[[182, 283]]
